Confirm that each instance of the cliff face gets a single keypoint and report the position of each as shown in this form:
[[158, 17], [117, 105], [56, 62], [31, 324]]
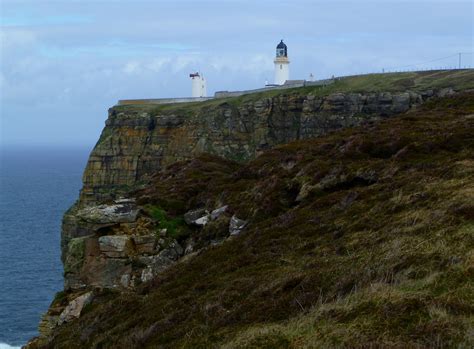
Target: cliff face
[[138, 141], [141, 139], [122, 233]]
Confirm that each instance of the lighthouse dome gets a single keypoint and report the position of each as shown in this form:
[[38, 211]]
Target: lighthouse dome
[[281, 50], [281, 44]]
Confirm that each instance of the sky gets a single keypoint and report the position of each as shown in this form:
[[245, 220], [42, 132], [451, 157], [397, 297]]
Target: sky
[[64, 63]]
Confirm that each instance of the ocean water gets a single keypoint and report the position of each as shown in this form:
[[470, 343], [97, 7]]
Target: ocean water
[[37, 185]]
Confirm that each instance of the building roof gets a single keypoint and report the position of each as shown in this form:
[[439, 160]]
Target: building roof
[[281, 44]]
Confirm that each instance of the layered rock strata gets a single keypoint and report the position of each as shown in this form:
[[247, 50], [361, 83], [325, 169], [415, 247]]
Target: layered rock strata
[[138, 140]]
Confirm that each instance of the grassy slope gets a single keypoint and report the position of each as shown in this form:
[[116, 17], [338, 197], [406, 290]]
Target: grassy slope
[[379, 252]]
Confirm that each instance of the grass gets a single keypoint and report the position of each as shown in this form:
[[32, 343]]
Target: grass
[[175, 227], [378, 253], [387, 82]]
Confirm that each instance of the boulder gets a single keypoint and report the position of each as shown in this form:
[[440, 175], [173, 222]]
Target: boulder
[[193, 216], [202, 221], [448, 91], [123, 212], [115, 246], [236, 225], [122, 200], [401, 102], [160, 262], [74, 308], [427, 94], [218, 211]]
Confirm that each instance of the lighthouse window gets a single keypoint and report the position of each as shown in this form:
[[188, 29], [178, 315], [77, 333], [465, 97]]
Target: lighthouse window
[[281, 66]]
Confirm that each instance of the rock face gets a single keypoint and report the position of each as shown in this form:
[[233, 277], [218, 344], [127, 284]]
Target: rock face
[[137, 141], [121, 212], [110, 245], [107, 242]]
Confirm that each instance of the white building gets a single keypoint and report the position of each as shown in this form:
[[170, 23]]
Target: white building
[[282, 64], [199, 88]]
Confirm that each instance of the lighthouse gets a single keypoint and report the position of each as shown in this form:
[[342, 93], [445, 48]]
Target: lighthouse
[[198, 87], [282, 64]]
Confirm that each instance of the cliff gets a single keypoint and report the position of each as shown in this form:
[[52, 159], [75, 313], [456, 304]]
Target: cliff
[[139, 140], [192, 232]]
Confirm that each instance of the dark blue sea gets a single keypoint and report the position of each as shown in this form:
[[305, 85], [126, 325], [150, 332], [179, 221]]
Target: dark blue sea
[[37, 185]]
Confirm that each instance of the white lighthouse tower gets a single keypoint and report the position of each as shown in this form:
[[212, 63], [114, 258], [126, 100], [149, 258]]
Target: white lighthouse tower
[[282, 64], [198, 88]]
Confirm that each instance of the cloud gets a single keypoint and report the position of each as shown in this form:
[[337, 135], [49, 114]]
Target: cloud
[[11, 39], [156, 65], [131, 68], [63, 63], [31, 19]]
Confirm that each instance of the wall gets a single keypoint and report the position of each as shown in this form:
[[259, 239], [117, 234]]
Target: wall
[[163, 100], [225, 94], [222, 94]]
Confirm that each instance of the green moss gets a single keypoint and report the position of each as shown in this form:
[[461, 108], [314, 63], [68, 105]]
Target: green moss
[[175, 227]]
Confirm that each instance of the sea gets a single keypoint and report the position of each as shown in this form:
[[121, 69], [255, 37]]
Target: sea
[[37, 185]]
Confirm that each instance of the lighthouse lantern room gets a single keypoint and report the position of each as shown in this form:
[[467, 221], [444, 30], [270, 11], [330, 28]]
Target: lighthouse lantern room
[[282, 64]]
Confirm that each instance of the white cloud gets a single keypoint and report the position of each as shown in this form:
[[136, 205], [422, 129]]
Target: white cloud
[[156, 65], [73, 67], [12, 38], [132, 68]]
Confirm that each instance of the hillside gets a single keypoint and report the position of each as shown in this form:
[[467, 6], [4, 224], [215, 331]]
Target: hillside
[[361, 237]]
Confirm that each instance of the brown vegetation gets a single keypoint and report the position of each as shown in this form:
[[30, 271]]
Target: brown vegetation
[[362, 238]]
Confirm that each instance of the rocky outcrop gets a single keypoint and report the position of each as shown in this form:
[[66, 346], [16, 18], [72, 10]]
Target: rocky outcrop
[[113, 257], [139, 140], [117, 246], [74, 308]]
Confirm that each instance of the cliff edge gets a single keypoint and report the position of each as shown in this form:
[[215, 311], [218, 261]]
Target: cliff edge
[[140, 139]]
